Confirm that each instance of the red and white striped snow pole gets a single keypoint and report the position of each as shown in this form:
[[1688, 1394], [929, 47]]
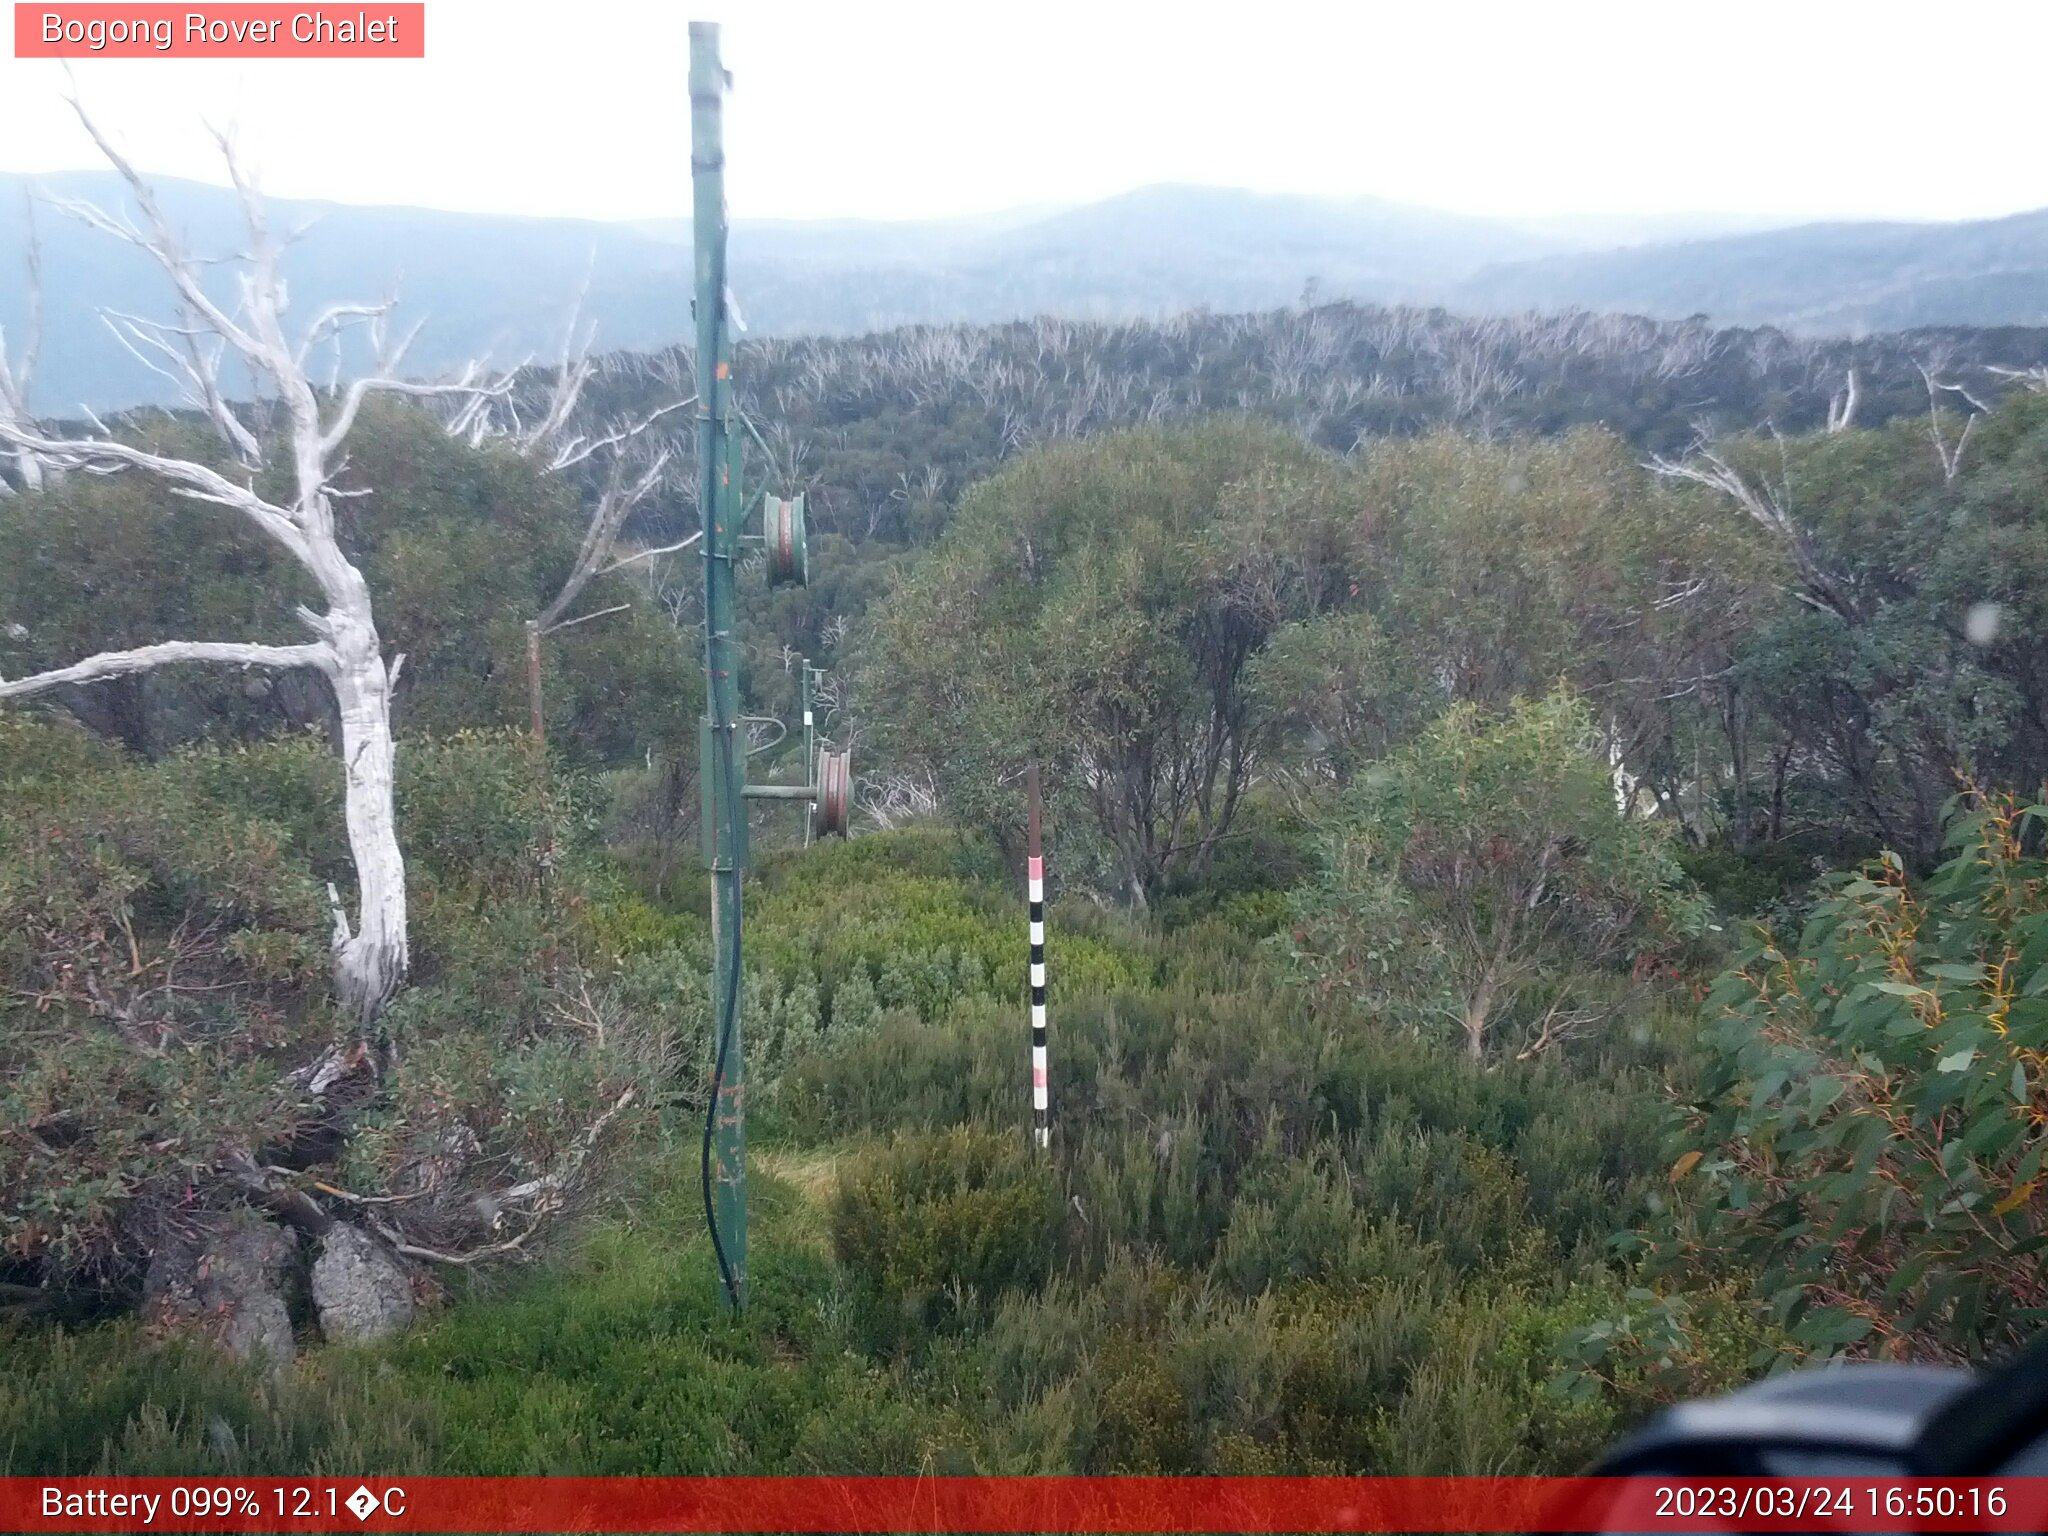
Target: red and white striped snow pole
[[1041, 1108]]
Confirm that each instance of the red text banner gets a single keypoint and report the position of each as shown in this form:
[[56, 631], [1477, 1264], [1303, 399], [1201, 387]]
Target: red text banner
[[239, 31], [1023, 1504]]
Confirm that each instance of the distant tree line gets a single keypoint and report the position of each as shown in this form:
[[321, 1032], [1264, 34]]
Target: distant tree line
[[885, 430]]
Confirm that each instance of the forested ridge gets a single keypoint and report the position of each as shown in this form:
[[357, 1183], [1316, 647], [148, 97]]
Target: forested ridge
[[883, 424], [1546, 918], [494, 284]]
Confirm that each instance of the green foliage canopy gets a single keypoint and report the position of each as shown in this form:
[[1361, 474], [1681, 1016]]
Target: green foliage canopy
[[1926, 672], [1095, 606], [460, 546], [1480, 863]]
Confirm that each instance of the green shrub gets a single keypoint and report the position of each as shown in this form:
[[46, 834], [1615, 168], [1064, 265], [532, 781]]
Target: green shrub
[[1747, 882], [1266, 852], [894, 911], [940, 1222], [1481, 866], [1867, 1136], [108, 1399], [1143, 1420], [1263, 1242], [624, 927], [1301, 1222], [164, 967], [160, 952], [36, 752]]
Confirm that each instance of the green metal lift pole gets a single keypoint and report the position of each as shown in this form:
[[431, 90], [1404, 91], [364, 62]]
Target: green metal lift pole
[[723, 760]]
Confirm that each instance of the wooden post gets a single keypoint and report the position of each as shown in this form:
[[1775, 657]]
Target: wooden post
[[536, 723]]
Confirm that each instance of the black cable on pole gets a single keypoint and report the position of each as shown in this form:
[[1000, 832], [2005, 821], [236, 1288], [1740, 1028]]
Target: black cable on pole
[[727, 1011], [716, 471]]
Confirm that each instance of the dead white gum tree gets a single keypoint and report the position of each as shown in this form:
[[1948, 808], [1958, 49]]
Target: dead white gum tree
[[1769, 506], [542, 420], [17, 377], [370, 953], [547, 427]]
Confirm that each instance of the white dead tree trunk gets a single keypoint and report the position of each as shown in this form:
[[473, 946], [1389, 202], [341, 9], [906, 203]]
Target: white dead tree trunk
[[1842, 409], [370, 954], [1950, 453], [1769, 507], [17, 377]]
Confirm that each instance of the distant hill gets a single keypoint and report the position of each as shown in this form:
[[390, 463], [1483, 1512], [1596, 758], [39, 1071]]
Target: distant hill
[[1814, 278], [502, 286], [1149, 253]]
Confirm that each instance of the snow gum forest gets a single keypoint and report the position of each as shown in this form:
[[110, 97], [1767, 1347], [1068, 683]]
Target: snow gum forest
[[1546, 902]]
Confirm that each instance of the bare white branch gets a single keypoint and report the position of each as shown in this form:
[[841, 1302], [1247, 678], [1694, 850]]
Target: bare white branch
[[602, 613], [1949, 453], [161, 242], [538, 1200], [148, 658], [473, 385], [99, 455], [371, 954], [1842, 409], [545, 435], [1767, 505], [615, 504], [2034, 379], [650, 554], [1764, 503], [335, 319]]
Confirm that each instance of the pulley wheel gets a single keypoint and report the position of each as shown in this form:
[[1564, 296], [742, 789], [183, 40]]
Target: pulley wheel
[[789, 562], [835, 792]]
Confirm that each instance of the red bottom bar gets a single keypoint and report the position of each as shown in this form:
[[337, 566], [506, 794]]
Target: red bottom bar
[[1023, 1504]]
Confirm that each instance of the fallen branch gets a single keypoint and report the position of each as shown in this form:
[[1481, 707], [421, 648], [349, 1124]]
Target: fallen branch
[[585, 1145], [435, 1256], [550, 1184], [289, 1203]]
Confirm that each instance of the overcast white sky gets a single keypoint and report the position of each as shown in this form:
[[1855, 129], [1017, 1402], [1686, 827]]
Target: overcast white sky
[[893, 109]]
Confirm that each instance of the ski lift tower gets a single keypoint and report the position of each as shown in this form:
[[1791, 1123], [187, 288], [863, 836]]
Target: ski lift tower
[[722, 752]]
